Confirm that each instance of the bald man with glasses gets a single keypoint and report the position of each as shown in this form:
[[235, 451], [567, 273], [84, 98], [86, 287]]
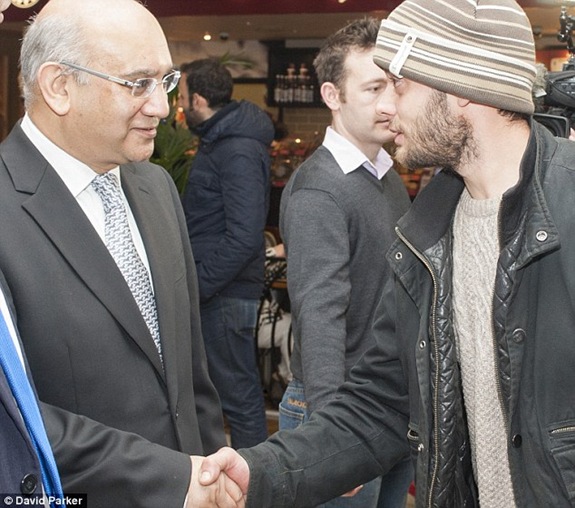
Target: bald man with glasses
[[97, 258]]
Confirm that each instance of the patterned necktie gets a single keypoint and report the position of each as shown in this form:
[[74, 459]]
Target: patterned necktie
[[121, 246], [28, 405]]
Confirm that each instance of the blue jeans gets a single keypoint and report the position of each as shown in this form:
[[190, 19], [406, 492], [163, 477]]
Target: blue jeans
[[228, 326], [389, 491]]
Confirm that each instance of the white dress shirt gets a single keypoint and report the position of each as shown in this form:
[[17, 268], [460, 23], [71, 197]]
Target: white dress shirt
[[349, 157], [78, 177], [10, 324]]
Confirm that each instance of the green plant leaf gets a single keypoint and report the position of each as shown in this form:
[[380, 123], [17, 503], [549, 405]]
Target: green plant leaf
[[174, 147]]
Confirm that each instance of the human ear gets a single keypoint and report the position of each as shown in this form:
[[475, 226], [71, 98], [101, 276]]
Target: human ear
[[461, 102], [197, 101], [330, 95], [54, 86]]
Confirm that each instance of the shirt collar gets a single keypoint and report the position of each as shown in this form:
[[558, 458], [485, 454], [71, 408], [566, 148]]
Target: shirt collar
[[75, 174], [349, 157]]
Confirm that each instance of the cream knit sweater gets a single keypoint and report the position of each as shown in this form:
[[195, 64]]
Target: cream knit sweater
[[475, 254]]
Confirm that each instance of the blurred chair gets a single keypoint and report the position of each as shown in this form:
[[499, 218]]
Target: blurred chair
[[273, 333]]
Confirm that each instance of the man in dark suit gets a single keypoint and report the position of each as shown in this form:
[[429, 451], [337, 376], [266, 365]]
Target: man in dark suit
[[83, 447], [26, 460], [100, 362]]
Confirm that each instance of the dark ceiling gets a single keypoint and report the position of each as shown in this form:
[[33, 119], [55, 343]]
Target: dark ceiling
[[304, 20], [164, 8]]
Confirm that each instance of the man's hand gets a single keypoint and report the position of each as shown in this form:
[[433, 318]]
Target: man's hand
[[353, 492], [221, 492], [228, 461]]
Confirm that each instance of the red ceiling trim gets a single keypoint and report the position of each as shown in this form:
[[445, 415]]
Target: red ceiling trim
[[164, 8], [233, 7]]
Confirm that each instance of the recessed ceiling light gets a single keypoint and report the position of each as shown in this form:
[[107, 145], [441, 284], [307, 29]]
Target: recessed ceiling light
[[207, 36]]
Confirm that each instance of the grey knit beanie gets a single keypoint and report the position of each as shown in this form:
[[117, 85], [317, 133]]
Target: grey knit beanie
[[481, 50]]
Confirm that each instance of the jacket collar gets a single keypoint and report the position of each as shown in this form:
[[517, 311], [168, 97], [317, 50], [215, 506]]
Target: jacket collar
[[431, 214], [203, 129]]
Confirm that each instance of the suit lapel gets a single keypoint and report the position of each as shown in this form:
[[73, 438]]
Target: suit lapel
[[63, 221], [156, 228]]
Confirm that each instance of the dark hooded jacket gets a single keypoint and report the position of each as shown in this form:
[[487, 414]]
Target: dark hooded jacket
[[226, 201]]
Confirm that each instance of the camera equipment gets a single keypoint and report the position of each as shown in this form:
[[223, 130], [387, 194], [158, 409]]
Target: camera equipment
[[560, 86], [557, 124]]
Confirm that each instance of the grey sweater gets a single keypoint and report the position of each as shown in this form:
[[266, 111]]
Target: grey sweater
[[475, 253], [336, 229]]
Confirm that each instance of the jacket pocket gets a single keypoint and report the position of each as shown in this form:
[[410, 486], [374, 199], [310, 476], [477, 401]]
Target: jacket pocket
[[562, 439], [415, 444]]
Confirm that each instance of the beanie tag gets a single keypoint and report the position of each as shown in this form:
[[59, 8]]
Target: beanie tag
[[402, 53]]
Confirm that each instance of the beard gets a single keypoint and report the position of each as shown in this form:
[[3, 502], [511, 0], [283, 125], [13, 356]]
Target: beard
[[191, 121], [437, 138]]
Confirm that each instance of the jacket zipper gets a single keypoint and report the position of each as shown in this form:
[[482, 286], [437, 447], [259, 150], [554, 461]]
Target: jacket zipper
[[436, 352], [495, 348], [561, 430]]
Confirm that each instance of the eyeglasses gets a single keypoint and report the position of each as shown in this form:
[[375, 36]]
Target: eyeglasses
[[143, 87]]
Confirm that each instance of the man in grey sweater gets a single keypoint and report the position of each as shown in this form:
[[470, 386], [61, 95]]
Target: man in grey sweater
[[336, 220]]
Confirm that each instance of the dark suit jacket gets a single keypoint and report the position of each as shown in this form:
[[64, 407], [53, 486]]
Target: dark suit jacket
[[19, 466], [89, 348]]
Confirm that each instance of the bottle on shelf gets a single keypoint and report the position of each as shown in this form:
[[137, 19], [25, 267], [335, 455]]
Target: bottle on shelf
[[292, 88]]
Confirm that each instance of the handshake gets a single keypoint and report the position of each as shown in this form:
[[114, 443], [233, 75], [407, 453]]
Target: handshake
[[220, 480]]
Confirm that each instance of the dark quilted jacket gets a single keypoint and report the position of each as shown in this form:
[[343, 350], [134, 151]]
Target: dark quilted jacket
[[409, 383], [534, 323]]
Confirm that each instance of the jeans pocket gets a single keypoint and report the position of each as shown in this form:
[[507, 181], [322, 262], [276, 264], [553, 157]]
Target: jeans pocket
[[290, 416]]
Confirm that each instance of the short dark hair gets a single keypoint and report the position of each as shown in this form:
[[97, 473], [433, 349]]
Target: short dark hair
[[329, 64], [210, 79]]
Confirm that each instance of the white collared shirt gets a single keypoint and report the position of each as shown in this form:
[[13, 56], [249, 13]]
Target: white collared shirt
[[77, 176], [10, 325], [349, 157]]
